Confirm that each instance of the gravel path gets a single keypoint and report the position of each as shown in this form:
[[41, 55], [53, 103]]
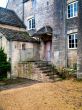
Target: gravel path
[[64, 95]]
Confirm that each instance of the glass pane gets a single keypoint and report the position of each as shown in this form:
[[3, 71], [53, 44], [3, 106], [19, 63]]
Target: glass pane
[[68, 15], [71, 10], [76, 44], [71, 14], [70, 41], [69, 45], [29, 24], [75, 9], [69, 36], [68, 7], [68, 11], [72, 45], [72, 37], [33, 23], [71, 6], [76, 36], [76, 40]]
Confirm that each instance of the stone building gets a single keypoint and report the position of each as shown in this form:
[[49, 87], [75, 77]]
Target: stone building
[[15, 40], [55, 23], [17, 6], [72, 30], [79, 52], [45, 21]]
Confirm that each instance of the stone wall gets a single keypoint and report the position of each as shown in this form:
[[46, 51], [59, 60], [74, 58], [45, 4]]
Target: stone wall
[[59, 40], [17, 6], [71, 27], [13, 48], [30, 71], [49, 13], [19, 55], [54, 14], [42, 11], [79, 52]]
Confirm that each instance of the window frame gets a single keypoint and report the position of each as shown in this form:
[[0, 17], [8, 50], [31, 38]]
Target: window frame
[[74, 40], [72, 3], [30, 23]]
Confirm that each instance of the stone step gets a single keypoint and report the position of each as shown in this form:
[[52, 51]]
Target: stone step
[[57, 79], [46, 71], [49, 74], [45, 68], [42, 65], [53, 76], [56, 76]]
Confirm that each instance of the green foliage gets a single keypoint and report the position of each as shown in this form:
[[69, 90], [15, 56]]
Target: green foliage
[[65, 73], [55, 70], [4, 65], [75, 66]]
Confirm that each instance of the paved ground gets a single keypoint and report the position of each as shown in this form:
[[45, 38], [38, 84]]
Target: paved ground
[[16, 83], [64, 95]]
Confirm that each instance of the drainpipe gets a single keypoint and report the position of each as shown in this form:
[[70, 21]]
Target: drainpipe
[[64, 19], [65, 35], [10, 55]]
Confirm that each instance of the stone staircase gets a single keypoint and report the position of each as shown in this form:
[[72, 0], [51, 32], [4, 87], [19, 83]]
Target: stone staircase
[[47, 70]]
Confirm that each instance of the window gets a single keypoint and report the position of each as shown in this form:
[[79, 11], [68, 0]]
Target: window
[[17, 45], [31, 23], [23, 46], [72, 9], [47, 3], [33, 3], [73, 40]]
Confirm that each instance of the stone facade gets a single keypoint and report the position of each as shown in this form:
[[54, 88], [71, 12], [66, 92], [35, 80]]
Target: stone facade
[[31, 71], [15, 40], [71, 27], [16, 53], [17, 5], [54, 14], [79, 52], [48, 13]]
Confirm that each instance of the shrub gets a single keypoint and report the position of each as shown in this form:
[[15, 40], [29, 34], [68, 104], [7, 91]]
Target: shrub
[[4, 65], [55, 70], [64, 73], [75, 66]]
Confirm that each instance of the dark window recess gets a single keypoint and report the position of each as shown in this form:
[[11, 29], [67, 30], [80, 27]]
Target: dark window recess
[[47, 2], [23, 46], [31, 23]]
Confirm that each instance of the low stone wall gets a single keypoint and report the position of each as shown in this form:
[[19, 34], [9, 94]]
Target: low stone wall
[[30, 71]]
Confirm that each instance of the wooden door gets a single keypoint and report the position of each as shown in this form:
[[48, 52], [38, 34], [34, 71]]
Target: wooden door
[[47, 50]]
